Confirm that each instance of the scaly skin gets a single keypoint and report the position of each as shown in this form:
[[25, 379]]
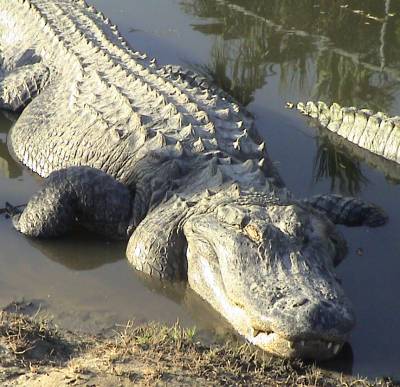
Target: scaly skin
[[131, 149], [377, 133]]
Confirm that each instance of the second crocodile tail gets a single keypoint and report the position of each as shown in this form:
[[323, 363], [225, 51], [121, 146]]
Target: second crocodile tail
[[376, 132]]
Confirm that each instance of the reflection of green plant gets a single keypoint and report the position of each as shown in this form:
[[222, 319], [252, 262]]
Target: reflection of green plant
[[239, 75], [301, 39], [397, 33], [330, 162], [320, 51], [339, 79]]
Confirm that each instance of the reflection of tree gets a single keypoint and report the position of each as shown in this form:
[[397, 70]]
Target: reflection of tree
[[321, 50], [344, 172], [338, 79], [341, 161], [228, 69], [244, 53], [302, 38]]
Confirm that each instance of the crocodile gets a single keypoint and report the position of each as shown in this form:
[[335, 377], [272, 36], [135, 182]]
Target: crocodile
[[376, 132], [156, 155]]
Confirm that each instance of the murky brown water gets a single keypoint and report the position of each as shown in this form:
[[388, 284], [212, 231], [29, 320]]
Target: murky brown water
[[264, 53]]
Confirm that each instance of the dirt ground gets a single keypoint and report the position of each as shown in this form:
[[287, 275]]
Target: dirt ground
[[34, 352]]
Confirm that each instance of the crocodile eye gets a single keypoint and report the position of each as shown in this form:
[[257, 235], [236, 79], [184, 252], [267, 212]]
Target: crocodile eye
[[254, 232]]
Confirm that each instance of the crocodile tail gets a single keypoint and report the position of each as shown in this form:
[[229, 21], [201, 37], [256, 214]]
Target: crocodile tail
[[376, 132]]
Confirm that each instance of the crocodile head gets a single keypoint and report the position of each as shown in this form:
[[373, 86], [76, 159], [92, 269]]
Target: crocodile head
[[269, 270]]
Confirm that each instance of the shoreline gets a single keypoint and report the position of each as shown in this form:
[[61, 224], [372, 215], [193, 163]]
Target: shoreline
[[35, 352]]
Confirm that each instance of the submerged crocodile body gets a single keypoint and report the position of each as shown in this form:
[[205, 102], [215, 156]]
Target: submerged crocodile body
[[154, 154], [377, 133]]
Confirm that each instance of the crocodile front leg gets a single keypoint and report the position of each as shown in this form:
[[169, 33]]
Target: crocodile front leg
[[157, 247], [348, 210], [74, 195], [20, 86]]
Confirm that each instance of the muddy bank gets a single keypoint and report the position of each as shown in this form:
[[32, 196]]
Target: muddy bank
[[34, 352]]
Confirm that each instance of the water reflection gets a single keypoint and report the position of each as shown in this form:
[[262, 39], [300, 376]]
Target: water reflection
[[8, 167], [242, 80], [343, 170], [87, 252], [332, 51], [340, 160]]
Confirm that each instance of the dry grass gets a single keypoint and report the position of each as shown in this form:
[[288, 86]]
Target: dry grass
[[151, 354], [31, 340], [168, 349]]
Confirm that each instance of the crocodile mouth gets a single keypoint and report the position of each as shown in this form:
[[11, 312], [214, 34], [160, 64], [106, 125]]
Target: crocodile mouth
[[316, 330], [276, 344]]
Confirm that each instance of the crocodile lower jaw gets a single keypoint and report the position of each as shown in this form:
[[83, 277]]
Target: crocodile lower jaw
[[306, 349]]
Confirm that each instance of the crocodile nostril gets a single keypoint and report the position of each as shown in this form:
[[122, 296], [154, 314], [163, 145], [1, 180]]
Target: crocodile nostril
[[300, 302]]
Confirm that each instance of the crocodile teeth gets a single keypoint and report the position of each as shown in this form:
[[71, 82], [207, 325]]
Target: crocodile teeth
[[329, 345], [255, 332], [336, 349]]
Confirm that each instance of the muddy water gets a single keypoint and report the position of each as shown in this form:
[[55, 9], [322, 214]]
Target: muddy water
[[264, 53]]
